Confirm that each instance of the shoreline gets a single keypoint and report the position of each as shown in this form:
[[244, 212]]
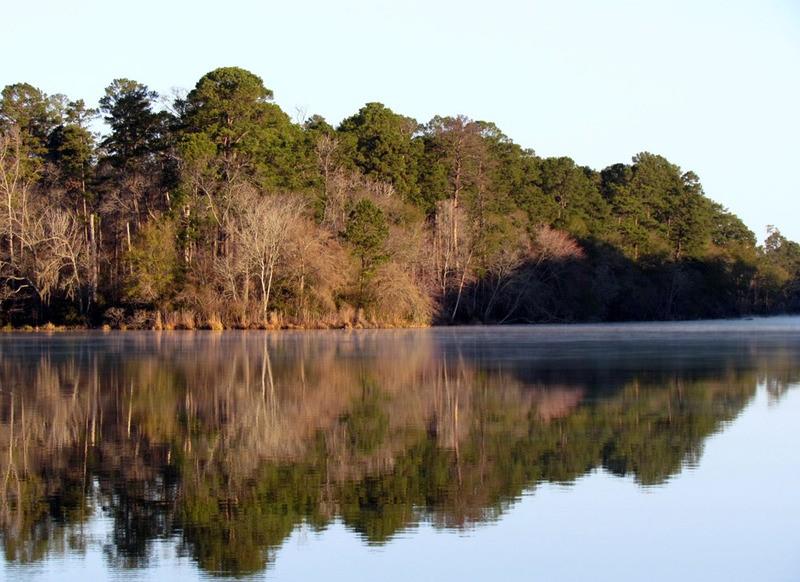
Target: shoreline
[[50, 329]]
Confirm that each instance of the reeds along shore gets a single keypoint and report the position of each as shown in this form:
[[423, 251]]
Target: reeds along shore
[[187, 320]]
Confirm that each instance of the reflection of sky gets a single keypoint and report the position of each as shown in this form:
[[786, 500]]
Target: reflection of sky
[[733, 518]]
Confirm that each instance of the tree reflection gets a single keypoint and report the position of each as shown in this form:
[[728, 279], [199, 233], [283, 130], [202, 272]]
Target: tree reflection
[[228, 442]]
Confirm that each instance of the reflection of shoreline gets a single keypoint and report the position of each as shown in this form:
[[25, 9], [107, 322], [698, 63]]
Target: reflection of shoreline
[[246, 436]]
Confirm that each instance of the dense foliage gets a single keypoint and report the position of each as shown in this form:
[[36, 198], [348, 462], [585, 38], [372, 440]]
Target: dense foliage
[[220, 210]]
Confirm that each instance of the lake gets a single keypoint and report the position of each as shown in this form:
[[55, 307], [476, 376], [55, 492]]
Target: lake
[[584, 452]]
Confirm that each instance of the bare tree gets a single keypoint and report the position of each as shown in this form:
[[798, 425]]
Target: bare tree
[[452, 257], [458, 140], [56, 254], [15, 185], [261, 231], [545, 257], [68, 249]]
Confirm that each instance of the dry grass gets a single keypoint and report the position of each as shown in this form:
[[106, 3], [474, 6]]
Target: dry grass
[[187, 319], [214, 322], [183, 319]]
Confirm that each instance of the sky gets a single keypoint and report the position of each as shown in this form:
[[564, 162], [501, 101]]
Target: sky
[[713, 85]]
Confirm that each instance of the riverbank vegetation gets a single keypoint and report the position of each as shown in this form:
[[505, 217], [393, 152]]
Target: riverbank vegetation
[[216, 209]]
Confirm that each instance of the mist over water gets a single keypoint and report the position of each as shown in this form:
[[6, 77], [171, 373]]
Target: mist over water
[[618, 452]]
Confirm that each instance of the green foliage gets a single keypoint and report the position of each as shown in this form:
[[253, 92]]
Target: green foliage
[[577, 204], [367, 230], [781, 251], [728, 230], [231, 108], [226, 105], [35, 115], [779, 272], [71, 147], [137, 130], [456, 149], [382, 146], [154, 264]]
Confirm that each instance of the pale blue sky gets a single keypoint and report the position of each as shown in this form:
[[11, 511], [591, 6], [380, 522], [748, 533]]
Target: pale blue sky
[[713, 85]]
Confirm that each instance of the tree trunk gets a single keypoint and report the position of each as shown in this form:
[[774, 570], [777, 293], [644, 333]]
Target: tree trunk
[[10, 211], [461, 287], [130, 246], [93, 277], [269, 285]]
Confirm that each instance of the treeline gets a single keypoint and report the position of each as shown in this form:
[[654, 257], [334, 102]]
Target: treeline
[[216, 209]]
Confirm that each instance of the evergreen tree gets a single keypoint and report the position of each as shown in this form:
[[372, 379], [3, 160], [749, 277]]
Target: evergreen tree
[[137, 129], [71, 149], [367, 230], [35, 115], [254, 140], [380, 144]]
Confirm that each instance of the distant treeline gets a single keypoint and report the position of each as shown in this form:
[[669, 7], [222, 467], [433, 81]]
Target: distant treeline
[[216, 209]]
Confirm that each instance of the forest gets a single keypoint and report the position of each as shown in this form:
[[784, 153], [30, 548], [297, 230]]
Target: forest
[[215, 209]]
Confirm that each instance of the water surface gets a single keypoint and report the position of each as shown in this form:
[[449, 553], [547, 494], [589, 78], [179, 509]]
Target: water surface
[[604, 452]]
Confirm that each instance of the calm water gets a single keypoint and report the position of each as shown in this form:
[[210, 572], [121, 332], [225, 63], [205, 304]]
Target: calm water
[[627, 452]]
